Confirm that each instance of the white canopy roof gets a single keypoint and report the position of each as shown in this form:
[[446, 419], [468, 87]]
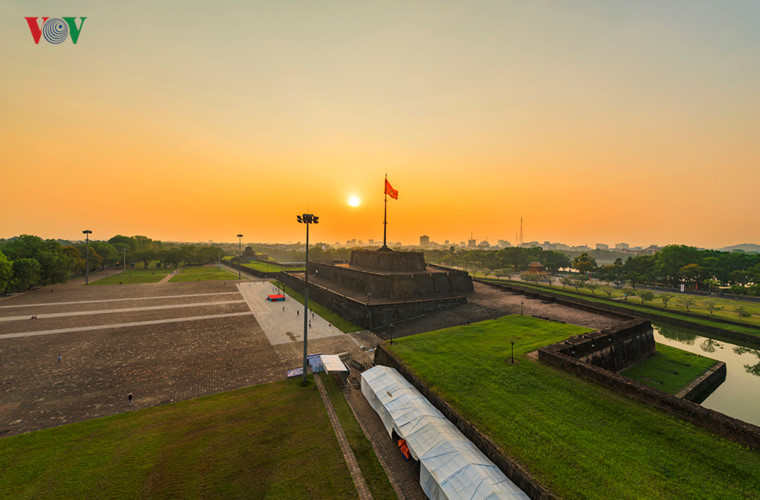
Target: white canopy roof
[[332, 363], [451, 466]]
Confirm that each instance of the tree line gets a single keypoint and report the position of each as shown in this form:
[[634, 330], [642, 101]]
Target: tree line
[[27, 261], [672, 266]]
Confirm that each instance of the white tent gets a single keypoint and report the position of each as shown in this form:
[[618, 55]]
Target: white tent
[[451, 466]]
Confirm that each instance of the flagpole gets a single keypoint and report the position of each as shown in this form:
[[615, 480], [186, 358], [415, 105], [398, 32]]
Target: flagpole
[[385, 214]]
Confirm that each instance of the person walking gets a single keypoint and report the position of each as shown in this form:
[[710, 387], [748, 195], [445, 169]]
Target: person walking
[[130, 399], [59, 359]]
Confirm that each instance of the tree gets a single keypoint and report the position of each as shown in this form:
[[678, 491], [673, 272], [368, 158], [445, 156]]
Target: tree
[[711, 306], [629, 292], [566, 282], [665, 298], [591, 286], [608, 290], [645, 295], [687, 302], [127, 241], [691, 273], [26, 273], [146, 256], [74, 259], [553, 261], [742, 312], [6, 273], [584, 263]]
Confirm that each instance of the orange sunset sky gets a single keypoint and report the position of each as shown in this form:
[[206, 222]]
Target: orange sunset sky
[[605, 122]]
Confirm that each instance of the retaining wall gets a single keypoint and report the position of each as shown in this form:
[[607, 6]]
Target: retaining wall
[[704, 385]]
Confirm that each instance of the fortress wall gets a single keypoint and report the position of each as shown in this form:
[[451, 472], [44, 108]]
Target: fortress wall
[[418, 284], [615, 348], [371, 315]]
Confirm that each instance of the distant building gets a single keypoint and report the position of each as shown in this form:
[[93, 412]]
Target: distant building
[[424, 240], [471, 243], [621, 246], [504, 244], [536, 268], [484, 244], [371, 241], [602, 246]]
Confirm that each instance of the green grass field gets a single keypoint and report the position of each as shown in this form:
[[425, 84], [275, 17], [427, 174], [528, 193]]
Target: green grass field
[[579, 439], [373, 472], [203, 274], [336, 320], [271, 267], [132, 276], [670, 370], [268, 441]]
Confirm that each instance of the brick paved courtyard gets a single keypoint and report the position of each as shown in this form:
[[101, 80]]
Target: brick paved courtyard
[[162, 342]]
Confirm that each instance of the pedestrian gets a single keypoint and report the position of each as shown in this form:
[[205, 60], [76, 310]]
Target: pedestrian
[[130, 399], [309, 323], [59, 359], [298, 312], [283, 308]]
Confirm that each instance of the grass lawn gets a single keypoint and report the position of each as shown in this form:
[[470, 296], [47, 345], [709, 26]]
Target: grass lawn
[[670, 370], [337, 321], [202, 274], [635, 306], [372, 470], [267, 441], [578, 438], [132, 276], [271, 267]]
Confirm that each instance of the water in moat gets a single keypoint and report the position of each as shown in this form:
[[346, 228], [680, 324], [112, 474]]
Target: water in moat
[[738, 395]]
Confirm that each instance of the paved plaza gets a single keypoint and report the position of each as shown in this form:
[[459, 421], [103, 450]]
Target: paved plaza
[[162, 342]]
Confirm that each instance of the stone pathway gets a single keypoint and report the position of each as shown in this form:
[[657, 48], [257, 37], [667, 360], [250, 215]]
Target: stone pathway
[[404, 476], [121, 325], [283, 322], [353, 466]]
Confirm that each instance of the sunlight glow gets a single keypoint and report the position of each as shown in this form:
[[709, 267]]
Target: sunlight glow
[[354, 201]]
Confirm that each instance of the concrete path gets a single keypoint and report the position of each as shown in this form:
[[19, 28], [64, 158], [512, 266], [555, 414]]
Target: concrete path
[[113, 311], [353, 466], [120, 325], [147, 297], [282, 322]]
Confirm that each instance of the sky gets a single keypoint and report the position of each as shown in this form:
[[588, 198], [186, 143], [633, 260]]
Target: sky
[[596, 122]]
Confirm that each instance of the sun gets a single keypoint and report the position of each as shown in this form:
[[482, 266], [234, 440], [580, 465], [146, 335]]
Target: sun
[[354, 201]]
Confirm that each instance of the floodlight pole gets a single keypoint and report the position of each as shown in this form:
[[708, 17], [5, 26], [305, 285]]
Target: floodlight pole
[[240, 254], [306, 219], [87, 233]]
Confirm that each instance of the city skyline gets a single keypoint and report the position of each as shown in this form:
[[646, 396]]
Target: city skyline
[[595, 122]]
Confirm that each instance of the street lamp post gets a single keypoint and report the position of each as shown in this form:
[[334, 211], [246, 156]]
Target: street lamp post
[[87, 234], [306, 219], [240, 254]]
